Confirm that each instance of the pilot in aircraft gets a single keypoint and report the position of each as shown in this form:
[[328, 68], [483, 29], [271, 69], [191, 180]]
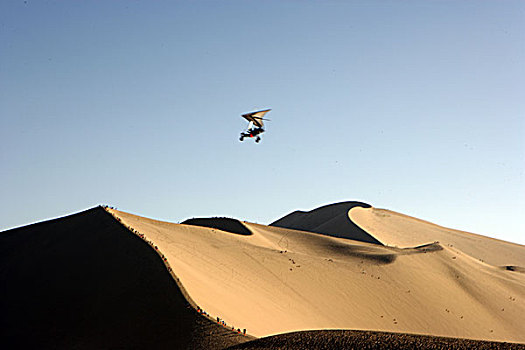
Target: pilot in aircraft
[[255, 124]]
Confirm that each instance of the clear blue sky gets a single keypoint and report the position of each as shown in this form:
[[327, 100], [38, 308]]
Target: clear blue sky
[[413, 106]]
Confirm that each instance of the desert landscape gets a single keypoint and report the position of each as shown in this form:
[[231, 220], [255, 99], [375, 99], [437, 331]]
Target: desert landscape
[[341, 275], [262, 175]]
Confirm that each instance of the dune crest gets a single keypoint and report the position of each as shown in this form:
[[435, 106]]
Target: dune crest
[[331, 220], [223, 224], [396, 229], [188, 280], [279, 280], [86, 282]]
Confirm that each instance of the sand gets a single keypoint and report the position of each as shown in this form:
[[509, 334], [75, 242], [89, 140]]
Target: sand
[[106, 278], [331, 220], [278, 280], [85, 282], [396, 229], [348, 339]]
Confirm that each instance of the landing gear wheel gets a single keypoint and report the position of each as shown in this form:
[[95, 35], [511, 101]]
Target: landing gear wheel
[[257, 139], [241, 138]]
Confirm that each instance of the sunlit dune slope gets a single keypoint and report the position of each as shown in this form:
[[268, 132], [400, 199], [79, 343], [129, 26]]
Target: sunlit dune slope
[[277, 280], [395, 229], [86, 282]]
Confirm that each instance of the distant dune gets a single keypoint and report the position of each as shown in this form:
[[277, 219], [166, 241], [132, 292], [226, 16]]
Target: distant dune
[[395, 229], [224, 224], [331, 220], [106, 278]]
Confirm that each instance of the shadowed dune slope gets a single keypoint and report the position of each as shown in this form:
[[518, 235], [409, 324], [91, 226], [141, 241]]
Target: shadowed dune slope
[[85, 282], [280, 280], [349, 339], [102, 279], [331, 220], [224, 224]]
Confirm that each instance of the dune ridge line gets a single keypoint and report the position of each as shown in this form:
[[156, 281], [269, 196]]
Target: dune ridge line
[[308, 280], [413, 279], [187, 296]]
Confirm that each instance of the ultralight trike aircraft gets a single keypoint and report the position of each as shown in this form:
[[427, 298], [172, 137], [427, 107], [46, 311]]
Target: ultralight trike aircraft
[[255, 124]]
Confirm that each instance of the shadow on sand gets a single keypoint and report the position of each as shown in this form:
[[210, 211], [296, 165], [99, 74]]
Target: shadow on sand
[[85, 282], [223, 224]]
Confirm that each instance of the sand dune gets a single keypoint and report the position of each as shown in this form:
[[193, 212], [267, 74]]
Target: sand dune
[[351, 339], [224, 224], [331, 220], [278, 280], [93, 280], [395, 229], [85, 282]]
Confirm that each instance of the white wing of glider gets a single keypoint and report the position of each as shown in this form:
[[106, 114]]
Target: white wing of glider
[[256, 117]]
